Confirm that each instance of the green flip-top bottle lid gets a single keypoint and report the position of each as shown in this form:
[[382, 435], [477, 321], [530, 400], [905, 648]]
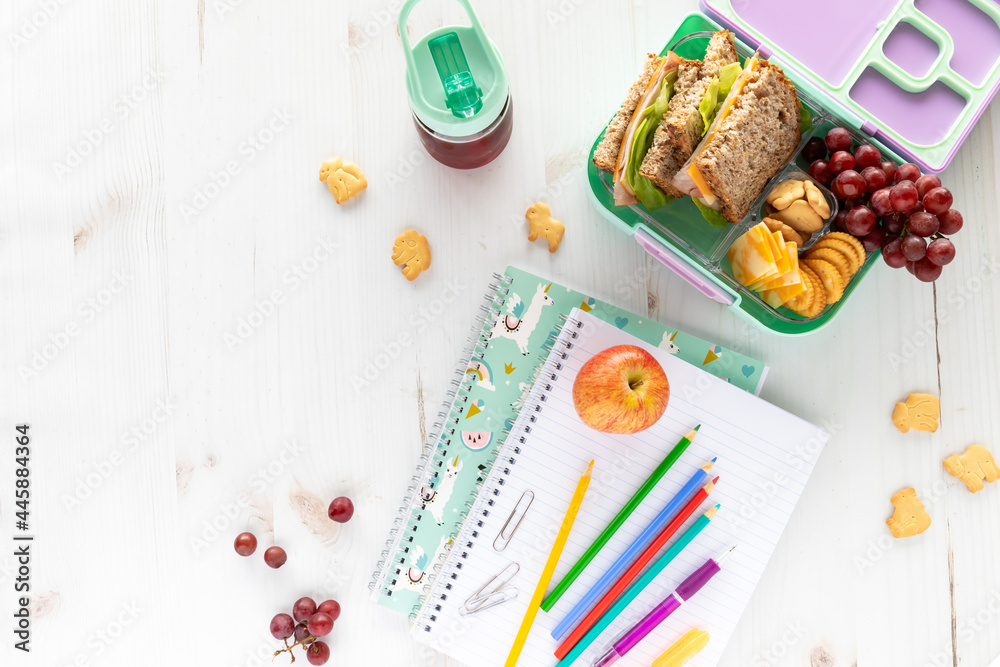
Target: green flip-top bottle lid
[[455, 78]]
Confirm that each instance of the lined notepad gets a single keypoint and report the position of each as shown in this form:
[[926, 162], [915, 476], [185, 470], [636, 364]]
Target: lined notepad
[[765, 457]]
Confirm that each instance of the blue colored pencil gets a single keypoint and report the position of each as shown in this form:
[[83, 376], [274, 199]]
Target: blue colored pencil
[[697, 481]]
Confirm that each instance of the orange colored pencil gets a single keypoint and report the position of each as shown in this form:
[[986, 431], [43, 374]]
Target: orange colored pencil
[[633, 571]]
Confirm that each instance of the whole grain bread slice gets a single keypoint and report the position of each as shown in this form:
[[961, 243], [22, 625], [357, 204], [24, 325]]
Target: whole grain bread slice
[[682, 127], [606, 153], [752, 142]]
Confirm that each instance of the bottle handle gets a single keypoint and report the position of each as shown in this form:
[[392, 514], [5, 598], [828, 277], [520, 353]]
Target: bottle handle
[[411, 63]]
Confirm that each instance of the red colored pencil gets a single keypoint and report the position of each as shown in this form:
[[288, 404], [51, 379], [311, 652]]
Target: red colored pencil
[[633, 571]]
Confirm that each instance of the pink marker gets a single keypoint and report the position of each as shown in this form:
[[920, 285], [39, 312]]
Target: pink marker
[[672, 603]]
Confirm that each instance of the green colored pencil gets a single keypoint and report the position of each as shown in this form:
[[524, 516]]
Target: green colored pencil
[[633, 592], [619, 519]]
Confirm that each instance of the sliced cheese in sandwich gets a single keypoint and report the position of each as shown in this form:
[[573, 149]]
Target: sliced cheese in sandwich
[[624, 194]]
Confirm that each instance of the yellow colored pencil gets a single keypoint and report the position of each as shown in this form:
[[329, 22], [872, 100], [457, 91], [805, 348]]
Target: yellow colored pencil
[[550, 567]]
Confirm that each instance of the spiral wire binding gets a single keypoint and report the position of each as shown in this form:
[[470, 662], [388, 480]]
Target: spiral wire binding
[[396, 545], [425, 613]]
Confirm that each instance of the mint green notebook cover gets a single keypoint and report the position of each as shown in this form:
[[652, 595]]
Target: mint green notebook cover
[[524, 315]]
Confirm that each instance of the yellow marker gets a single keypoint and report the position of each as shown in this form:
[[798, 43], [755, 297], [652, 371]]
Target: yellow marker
[[683, 649], [550, 567]]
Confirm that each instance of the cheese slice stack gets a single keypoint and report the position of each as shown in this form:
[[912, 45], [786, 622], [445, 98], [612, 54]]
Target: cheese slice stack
[[764, 262]]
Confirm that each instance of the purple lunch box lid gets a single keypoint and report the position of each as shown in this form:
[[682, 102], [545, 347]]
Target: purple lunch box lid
[[907, 44]]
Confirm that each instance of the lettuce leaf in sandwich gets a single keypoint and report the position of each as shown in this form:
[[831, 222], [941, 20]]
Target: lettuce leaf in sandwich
[[630, 187], [647, 193], [717, 92]]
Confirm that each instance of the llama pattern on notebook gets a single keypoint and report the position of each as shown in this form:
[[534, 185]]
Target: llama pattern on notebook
[[491, 402], [519, 322], [420, 564], [445, 490]]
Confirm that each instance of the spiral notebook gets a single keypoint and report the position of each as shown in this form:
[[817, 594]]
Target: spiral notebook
[[519, 321], [765, 457]]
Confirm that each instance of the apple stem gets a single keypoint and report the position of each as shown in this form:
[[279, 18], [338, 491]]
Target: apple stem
[[635, 385]]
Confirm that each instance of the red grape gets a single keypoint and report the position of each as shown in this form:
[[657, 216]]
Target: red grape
[[303, 609], [951, 221], [911, 267], [820, 170], [914, 247], [318, 653], [838, 139], [282, 626], [320, 624], [927, 182], [841, 161], [903, 196], [889, 167], [341, 509], [875, 179], [840, 222], [331, 607], [301, 632], [866, 156], [907, 172], [916, 209], [892, 253], [849, 184], [860, 221], [245, 544], [941, 252], [851, 203], [923, 224], [815, 149], [894, 223], [880, 202], [926, 270], [874, 239], [275, 557], [938, 200]]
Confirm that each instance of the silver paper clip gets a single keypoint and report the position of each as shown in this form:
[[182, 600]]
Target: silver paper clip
[[493, 592], [506, 536]]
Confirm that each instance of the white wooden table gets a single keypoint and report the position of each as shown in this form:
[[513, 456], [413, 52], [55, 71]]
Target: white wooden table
[[185, 308]]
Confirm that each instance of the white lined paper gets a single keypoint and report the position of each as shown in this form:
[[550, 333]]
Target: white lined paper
[[765, 458]]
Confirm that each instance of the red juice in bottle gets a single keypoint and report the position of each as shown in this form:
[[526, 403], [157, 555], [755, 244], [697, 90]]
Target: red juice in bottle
[[458, 92]]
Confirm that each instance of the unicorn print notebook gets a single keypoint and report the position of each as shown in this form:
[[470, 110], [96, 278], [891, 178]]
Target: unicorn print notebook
[[523, 314]]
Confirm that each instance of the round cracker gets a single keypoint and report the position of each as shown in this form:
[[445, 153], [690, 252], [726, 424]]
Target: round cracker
[[830, 278], [844, 248], [803, 301], [819, 302], [859, 248], [809, 298], [839, 261]]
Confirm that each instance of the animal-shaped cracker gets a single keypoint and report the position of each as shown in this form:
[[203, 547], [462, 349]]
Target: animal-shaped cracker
[[411, 251], [972, 467], [541, 225], [344, 180], [919, 412], [910, 518]]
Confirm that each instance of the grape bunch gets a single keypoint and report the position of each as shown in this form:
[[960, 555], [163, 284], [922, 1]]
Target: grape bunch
[[306, 624], [905, 213]]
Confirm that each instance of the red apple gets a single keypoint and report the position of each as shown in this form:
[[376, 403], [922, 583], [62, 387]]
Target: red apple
[[621, 390]]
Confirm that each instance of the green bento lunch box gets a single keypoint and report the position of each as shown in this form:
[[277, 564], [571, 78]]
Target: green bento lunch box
[[885, 86]]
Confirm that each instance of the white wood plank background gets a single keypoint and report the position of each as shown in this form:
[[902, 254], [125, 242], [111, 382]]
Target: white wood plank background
[[147, 406]]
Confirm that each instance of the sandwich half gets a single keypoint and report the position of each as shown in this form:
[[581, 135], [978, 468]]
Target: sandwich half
[[700, 87], [630, 133], [755, 130]]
